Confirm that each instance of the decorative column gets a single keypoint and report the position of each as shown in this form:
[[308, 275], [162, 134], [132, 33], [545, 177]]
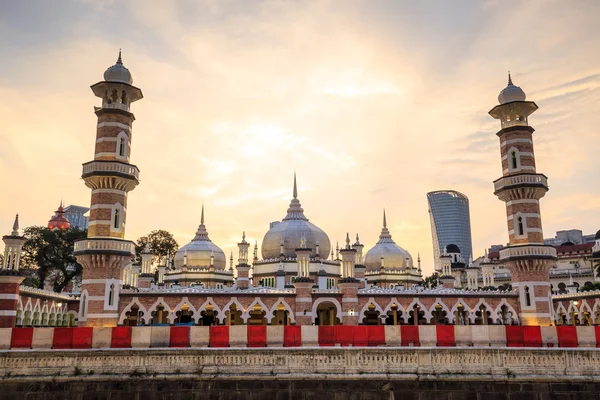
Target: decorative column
[[303, 283], [359, 267], [110, 177], [146, 276], [446, 278], [243, 268], [521, 189], [349, 285], [10, 276]]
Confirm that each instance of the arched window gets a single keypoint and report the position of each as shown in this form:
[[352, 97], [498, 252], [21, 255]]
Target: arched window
[[520, 225], [514, 159], [111, 295], [117, 217], [122, 147], [527, 297], [83, 301]]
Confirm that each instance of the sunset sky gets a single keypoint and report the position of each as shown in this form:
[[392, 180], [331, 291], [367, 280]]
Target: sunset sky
[[372, 103]]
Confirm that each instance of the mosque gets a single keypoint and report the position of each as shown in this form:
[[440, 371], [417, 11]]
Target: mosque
[[298, 278]]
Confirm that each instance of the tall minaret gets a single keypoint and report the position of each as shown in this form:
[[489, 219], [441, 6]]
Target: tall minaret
[[10, 276], [110, 176], [521, 188]]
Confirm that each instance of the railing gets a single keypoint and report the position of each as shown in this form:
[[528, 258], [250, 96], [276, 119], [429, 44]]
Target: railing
[[525, 251], [534, 179], [46, 293], [119, 106], [574, 272], [198, 269], [105, 245], [111, 166], [398, 271], [327, 291]]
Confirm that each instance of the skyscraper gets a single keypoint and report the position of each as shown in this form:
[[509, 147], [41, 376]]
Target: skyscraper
[[450, 223]]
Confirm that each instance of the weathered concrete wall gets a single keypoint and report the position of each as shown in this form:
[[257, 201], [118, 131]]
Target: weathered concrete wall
[[304, 373]]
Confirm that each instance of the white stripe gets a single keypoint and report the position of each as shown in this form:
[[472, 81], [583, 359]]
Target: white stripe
[[302, 314], [95, 298], [92, 281], [521, 153], [304, 300], [511, 141], [113, 191], [111, 124], [531, 283], [105, 206], [350, 300], [529, 215], [115, 315], [9, 296], [524, 201], [97, 222], [106, 139], [534, 314], [8, 313]]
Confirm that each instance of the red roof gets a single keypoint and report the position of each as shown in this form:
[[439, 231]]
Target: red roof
[[575, 248]]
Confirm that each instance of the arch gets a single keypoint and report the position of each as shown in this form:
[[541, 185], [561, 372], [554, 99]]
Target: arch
[[116, 217], [513, 156], [220, 314], [416, 302], [371, 300], [83, 306], [257, 300], [159, 301], [134, 302], [122, 146], [185, 300], [27, 314], [474, 310], [444, 308], [36, 318], [332, 300], [560, 315], [227, 309], [585, 308], [286, 306], [391, 303], [454, 309], [20, 317], [498, 311]]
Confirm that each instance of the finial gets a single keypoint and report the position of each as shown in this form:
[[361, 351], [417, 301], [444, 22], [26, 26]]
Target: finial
[[119, 60], [15, 231], [384, 219], [295, 187], [244, 235], [147, 248], [357, 240], [509, 79], [61, 203], [347, 240], [202, 216]]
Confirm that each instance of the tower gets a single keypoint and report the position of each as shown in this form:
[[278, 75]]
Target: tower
[[110, 177], [10, 276], [521, 188], [243, 268], [349, 285]]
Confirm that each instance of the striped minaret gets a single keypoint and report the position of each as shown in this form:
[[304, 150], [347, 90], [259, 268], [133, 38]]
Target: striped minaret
[[110, 176], [521, 188]]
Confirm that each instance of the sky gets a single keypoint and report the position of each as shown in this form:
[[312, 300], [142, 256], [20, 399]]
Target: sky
[[372, 103]]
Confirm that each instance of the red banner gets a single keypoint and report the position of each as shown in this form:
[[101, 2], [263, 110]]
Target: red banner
[[376, 335], [532, 336], [21, 338], [445, 335], [82, 337], [409, 335], [63, 338], [179, 336], [121, 337], [219, 336], [344, 335], [326, 336], [567, 336], [597, 331], [292, 336], [514, 336], [361, 336], [257, 336]]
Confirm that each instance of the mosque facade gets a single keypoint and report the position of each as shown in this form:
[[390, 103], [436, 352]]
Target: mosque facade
[[298, 278]]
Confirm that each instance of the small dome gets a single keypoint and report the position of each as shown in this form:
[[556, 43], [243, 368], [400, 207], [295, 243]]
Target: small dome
[[290, 232], [118, 73], [511, 93], [393, 255], [199, 251], [58, 220], [597, 235], [452, 248]]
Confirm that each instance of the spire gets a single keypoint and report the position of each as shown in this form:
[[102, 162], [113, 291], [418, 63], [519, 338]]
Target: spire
[[357, 240], [15, 231], [147, 248], [509, 79], [201, 233], [347, 240], [231, 261], [119, 60], [295, 211], [385, 236]]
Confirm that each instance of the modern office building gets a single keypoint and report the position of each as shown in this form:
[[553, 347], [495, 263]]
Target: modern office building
[[77, 216], [450, 223], [574, 236]]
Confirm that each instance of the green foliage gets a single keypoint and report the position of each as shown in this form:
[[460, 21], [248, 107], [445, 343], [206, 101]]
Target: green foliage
[[597, 267], [431, 281], [161, 243], [505, 287], [48, 255]]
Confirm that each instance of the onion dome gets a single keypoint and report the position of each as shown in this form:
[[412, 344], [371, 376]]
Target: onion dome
[[393, 255], [58, 220], [511, 93], [287, 235], [198, 252], [118, 73], [452, 248], [597, 237]]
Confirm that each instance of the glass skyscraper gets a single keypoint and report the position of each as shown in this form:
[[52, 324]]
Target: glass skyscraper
[[450, 223]]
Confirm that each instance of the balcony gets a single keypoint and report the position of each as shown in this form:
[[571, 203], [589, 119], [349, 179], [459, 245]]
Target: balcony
[[515, 181], [531, 251], [110, 168], [108, 246]]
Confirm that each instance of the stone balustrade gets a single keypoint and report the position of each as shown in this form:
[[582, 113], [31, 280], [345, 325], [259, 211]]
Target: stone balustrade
[[107, 245], [521, 179], [93, 167], [528, 251]]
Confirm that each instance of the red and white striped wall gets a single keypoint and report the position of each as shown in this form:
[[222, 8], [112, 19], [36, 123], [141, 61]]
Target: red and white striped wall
[[299, 336]]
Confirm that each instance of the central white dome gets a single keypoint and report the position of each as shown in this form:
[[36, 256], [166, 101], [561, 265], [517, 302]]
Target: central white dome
[[393, 255], [198, 252], [290, 231]]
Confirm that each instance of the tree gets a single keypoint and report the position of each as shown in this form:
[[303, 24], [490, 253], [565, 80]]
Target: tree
[[431, 281], [161, 243], [48, 255]]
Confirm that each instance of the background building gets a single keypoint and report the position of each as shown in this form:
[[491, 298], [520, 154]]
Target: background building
[[574, 236], [450, 223], [77, 216]]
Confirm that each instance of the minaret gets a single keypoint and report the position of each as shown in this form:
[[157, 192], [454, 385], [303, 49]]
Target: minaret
[[146, 276], [243, 268], [359, 267], [110, 177], [349, 285], [521, 188], [10, 276]]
